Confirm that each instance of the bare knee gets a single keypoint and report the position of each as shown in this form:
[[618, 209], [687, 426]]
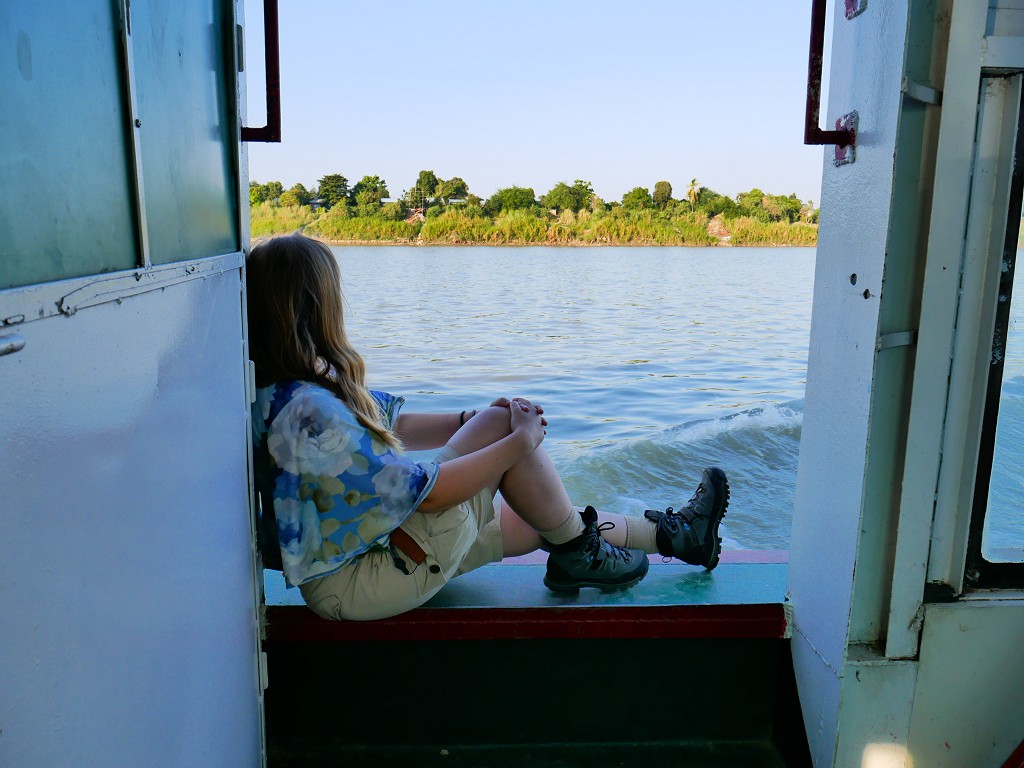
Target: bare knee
[[488, 426], [495, 419]]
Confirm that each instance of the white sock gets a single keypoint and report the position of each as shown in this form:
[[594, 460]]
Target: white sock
[[567, 531], [640, 534]]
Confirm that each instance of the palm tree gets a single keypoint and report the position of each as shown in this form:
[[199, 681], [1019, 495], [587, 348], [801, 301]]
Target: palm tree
[[692, 192]]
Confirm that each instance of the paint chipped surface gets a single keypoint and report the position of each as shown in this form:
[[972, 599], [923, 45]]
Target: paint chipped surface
[[848, 154], [855, 8]]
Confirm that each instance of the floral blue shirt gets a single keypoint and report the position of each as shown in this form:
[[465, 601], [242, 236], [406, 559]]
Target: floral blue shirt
[[337, 488]]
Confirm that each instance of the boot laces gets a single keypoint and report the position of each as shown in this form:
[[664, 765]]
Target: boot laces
[[673, 519], [602, 548], [701, 490]]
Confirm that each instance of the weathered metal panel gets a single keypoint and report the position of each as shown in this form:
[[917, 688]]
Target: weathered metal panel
[[66, 297], [126, 570], [1005, 18], [968, 707], [878, 693], [189, 129], [64, 157], [866, 76], [819, 686], [975, 322], [898, 312], [937, 325]]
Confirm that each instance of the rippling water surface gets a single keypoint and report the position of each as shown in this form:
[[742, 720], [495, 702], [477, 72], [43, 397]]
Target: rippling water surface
[[650, 362]]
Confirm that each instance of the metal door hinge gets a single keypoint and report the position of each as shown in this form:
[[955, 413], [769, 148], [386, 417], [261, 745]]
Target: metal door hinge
[[923, 93], [264, 676], [11, 343], [899, 339]]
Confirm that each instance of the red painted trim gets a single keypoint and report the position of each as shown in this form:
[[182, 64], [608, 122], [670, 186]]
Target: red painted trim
[[297, 624], [1016, 760]]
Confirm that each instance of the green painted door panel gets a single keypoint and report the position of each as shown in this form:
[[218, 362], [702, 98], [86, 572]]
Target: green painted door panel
[[68, 196], [186, 100]]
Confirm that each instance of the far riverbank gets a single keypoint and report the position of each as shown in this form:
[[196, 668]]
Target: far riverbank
[[466, 226]]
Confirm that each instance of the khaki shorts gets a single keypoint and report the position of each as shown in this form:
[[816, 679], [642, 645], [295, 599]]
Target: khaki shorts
[[455, 541]]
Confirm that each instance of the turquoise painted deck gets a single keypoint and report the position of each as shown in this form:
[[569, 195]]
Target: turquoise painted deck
[[521, 586]]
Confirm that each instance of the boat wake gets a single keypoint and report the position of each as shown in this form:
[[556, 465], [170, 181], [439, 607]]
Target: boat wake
[[758, 448]]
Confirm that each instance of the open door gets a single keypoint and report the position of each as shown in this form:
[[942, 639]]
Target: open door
[[127, 573]]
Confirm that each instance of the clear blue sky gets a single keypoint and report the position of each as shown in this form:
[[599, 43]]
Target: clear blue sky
[[532, 93]]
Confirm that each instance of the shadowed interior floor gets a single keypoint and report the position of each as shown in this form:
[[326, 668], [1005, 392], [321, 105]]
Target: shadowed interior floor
[[691, 755]]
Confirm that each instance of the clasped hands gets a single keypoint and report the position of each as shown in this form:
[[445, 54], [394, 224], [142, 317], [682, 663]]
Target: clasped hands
[[525, 415]]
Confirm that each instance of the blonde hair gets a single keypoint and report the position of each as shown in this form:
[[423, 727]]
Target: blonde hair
[[296, 326]]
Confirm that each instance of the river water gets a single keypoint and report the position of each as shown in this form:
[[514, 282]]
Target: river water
[[651, 363]]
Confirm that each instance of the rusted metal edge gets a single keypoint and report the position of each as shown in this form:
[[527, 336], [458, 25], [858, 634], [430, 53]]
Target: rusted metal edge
[[812, 133], [271, 132]]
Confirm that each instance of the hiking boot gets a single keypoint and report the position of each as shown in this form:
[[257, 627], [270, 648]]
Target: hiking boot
[[691, 534], [590, 561]]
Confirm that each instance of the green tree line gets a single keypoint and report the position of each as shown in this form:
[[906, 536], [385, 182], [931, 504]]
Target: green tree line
[[436, 210]]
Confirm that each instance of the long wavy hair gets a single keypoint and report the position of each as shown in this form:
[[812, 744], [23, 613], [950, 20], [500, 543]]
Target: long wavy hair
[[296, 325]]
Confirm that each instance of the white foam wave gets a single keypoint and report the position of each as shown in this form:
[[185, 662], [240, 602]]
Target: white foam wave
[[784, 417], [757, 447]]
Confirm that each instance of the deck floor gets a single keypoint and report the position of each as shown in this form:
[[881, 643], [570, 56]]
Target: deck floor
[[508, 585]]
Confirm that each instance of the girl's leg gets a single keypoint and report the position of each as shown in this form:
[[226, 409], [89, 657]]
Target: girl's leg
[[578, 556], [534, 494], [517, 536], [531, 487], [689, 534]]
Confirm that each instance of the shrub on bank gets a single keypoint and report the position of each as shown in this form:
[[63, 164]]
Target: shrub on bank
[[461, 224], [750, 231], [363, 228], [456, 226], [267, 219], [648, 228], [520, 227]]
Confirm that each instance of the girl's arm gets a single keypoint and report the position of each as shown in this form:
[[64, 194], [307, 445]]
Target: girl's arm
[[423, 431]]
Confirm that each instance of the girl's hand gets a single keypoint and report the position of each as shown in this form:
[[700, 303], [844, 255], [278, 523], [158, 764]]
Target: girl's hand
[[526, 418], [504, 402]]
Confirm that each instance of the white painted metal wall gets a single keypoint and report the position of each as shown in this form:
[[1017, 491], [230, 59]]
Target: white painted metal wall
[[127, 603], [866, 70], [885, 679]]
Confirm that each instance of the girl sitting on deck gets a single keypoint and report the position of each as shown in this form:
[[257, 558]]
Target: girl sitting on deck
[[364, 531]]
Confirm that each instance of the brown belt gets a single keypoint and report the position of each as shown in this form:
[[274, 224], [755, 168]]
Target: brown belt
[[408, 546]]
